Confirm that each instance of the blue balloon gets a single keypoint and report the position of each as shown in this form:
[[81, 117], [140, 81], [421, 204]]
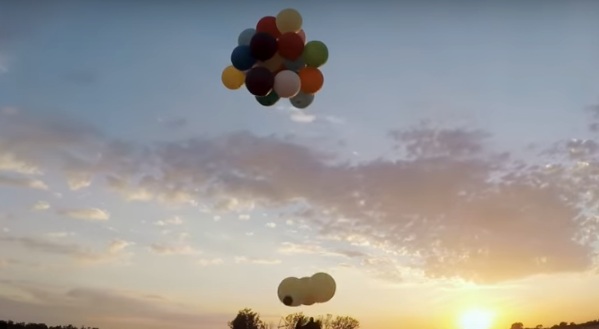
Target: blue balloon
[[242, 59], [302, 100], [294, 66], [246, 36]]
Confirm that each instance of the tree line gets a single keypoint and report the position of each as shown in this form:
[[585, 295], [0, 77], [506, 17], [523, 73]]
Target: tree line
[[23, 325], [248, 319], [245, 319], [561, 325]]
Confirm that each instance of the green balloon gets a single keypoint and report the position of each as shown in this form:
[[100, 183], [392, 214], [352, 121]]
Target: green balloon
[[269, 100], [315, 53]]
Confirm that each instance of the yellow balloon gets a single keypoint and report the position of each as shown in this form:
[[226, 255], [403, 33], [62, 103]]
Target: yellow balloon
[[232, 78], [289, 20]]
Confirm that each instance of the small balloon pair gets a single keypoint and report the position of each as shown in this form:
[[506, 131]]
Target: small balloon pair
[[319, 288], [274, 61]]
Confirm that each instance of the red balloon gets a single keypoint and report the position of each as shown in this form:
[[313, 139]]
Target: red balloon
[[268, 24], [291, 46], [259, 81]]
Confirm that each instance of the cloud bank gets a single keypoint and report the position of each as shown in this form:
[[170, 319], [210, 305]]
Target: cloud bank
[[446, 204]]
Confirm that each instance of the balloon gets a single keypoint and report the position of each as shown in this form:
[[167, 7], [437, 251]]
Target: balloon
[[302, 35], [263, 46], [274, 64], [259, 81], [295, 66], [287, 84], [315, 53], [311, 79], [301, 100], [269, 100], [306, 290], [324, 287], [268, 24], [245, 37], [289, 292], [289, 20], [242, 58], [291, 46], [232, 78]]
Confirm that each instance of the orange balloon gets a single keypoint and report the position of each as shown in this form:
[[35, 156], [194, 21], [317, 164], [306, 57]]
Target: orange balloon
[[312, 80]]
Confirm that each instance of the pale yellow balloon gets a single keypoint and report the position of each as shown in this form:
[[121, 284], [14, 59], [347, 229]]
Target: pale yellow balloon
[[289, 291], [306, 291], [289, 20], [324, 287], [232, 78]]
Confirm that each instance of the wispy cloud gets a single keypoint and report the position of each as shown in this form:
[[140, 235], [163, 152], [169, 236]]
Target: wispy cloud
[[171, 221], [87, 214], [83, 254], [40, 206], [210, 261], [25, 182], [258, 261], [290, 248], [107, 308], [164, 249]]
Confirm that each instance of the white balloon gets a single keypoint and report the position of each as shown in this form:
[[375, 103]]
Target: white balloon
[[289, 291], [287, 84], [324, 287], [307, 291]]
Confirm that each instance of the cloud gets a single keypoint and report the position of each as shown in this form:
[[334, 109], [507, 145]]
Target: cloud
[[258, 261], [9, 163], [162, 249], [171, 221], [25, 182], [87, 214], [302, 117], [112, 253], [210, 262], [290, 248], [447, 203], [40, 206], [102, 308], [59, 235], [449, 200]]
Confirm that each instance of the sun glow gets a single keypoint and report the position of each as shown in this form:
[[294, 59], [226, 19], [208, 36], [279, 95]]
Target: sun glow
[[477, 319]]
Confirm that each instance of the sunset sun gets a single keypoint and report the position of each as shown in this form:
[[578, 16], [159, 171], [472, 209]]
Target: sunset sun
[[476, 319]]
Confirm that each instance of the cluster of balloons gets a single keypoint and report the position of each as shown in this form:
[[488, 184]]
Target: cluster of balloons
[[319, 288], [274, 61]]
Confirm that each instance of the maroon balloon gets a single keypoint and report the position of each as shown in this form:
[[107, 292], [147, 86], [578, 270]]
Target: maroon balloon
[[290, 46], [263, 46], [259, 81]]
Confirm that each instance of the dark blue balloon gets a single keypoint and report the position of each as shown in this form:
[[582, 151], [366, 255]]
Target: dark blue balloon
[[242, 58]]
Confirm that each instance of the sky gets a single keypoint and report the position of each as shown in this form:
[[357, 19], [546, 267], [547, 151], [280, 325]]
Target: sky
[[450, 163]]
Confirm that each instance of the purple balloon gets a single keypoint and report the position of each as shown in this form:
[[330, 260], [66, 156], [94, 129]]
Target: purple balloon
[[263, 46], [259, 81]]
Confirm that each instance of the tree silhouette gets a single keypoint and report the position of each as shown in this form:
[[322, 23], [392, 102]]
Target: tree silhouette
[[517, 325], [299, 320], [247, 319], [345, 322]]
